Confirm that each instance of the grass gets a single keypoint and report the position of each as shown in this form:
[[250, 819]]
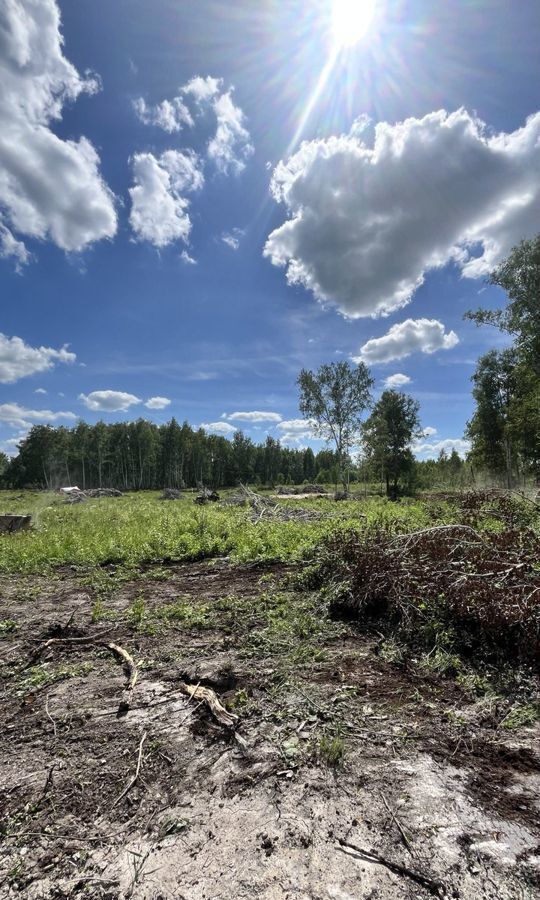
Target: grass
[[137, 528]]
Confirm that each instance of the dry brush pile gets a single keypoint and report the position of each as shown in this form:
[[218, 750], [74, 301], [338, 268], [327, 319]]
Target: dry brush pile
[[477, 592]]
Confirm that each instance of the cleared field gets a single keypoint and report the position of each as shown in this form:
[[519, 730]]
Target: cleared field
[[356, 758]]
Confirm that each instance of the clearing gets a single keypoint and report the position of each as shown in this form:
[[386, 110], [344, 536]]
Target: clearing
[[340, 742]]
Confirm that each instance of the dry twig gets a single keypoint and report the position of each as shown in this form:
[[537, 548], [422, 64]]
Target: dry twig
[[133, 780], [435, 888]]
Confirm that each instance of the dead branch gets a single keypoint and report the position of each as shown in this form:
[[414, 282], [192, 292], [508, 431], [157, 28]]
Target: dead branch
[[266, 508], [130, 671], [35, 655], [435, 888], [398, 825], [46, 786], [133, 780], [209, 697]]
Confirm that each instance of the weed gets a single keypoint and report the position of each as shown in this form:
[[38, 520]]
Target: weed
[[98, 611], [331, 750], [520, 716], [40, 676], [189, 614], [441, 662], [136, 612], [7, 626]]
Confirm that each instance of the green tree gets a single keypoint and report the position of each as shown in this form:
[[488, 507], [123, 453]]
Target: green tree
[[387, 436], [335, 397], [519, 276], [489, 429]]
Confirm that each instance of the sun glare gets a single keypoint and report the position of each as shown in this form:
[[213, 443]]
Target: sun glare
[[351, 20]]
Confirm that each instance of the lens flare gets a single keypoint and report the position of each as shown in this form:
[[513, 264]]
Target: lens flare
[[351, 20]]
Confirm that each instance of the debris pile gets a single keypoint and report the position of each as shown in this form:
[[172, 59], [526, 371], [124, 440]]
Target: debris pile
[[481, 589], [74, 495], [171, 494], [103, 492], [264, 508], [300, 489], [205, 495]]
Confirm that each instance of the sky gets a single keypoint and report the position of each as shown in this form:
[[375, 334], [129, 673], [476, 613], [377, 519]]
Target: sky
[[198, 199]]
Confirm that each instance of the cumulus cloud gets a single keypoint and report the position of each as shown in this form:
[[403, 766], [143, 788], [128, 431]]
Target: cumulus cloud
[[18, 359], [49, 188], [187, 259], [232, 238], [218, 427], [296, 428], [20, 417], [253, 416], [404, 338], [109, 401], [396, 381], [11, 248], [366, 221], [231, 146], [432, 450], [157, 403], [170, 115], [429, 431], [203, 89], [159, 209]]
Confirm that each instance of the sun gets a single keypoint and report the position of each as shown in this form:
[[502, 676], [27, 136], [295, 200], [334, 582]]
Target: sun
[[351, 20]]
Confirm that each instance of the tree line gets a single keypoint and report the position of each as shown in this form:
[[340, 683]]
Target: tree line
[[144, 456]]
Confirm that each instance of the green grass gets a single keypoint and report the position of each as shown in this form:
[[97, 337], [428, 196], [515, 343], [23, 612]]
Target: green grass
[[138, 528]]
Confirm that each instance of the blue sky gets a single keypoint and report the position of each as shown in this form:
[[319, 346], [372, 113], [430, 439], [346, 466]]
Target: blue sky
[[114, 207]]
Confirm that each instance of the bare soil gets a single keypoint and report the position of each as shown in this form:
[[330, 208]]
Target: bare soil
[[427, 782]]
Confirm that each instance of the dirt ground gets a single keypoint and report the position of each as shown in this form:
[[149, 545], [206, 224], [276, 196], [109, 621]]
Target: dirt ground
[[343, 750]]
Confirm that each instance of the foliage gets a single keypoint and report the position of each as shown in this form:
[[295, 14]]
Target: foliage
[[138, 528], [335, 397], [505, 427], [387, 437]]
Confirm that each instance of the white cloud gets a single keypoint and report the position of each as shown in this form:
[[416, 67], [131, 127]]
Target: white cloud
[[218, 427], [170, 115], [299, 428], [157, 403], [253, 416], [187, 259], [49, 188], [404, 338], [20, 417], [40, 391], [10, 247], [203, 89], [18, 360], [158, 208], [396, 381], [293, 440], [432, 450], [231, 146], [366, 222], [232, 238], [109, 401], [429, 431]]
